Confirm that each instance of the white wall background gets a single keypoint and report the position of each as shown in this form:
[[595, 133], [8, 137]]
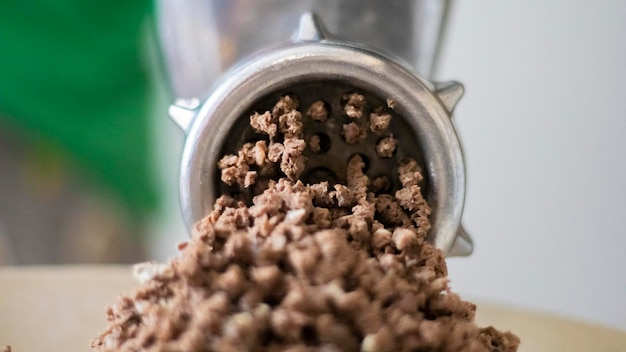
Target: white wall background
[[543, 123]]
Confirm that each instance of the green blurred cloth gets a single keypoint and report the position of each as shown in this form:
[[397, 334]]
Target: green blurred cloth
[[74, 74]]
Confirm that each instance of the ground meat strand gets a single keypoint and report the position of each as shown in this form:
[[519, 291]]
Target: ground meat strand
[[354, 105], [317, 111], [379, 121], [264, 123], [386, 147], [354, 133], [292, 162], [314, 144], [285, 105]]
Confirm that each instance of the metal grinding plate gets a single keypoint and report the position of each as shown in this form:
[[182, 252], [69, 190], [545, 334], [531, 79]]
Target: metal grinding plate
[[330, 163]]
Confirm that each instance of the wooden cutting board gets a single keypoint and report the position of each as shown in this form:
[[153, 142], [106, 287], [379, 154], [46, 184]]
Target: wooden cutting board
[[61, 308]]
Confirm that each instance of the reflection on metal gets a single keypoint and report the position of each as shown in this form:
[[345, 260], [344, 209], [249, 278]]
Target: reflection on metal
[[201, 39]]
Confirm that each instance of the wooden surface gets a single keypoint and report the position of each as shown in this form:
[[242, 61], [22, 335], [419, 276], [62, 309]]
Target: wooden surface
[[62, 308]]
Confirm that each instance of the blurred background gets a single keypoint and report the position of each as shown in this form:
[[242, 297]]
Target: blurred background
[[89, 159], [543, 124]]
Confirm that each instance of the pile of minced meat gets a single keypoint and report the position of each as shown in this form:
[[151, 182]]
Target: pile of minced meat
[[305, 267]]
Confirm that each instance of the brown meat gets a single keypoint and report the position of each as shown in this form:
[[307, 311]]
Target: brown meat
[[386, 147], [354, 133], [304, 267], [354, 104], [379, 121], [317, 111]]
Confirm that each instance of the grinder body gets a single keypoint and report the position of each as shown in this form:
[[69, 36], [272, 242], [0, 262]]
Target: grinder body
[[313, 62]]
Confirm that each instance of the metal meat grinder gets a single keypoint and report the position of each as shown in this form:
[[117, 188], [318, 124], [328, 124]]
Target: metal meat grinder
[[314, 65]]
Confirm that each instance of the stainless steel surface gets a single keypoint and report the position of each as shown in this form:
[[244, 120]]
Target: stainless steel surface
[[330, 66], [201, 39]]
